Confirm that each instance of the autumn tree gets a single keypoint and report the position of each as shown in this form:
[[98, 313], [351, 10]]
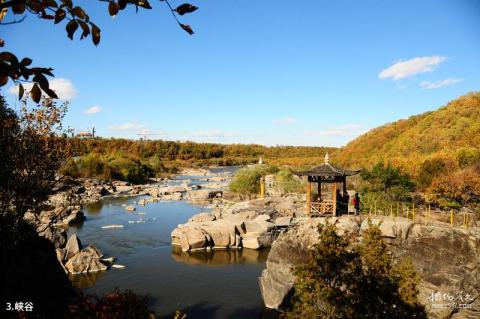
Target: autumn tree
[[32, 152]]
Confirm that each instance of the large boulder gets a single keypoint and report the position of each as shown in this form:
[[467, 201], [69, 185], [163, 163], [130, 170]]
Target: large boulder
[[257, 240], [203, 194], [72, 247], [202, 217], [448, 259], [86, 260], [215, 234], [73, 217]]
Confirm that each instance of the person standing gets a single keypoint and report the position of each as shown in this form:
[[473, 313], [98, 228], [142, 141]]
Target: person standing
[[356, 203]]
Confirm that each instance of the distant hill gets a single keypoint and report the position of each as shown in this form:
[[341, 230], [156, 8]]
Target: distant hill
[[451, 130]]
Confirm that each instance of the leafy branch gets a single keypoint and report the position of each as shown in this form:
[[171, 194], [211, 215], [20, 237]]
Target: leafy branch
[[78, 19]]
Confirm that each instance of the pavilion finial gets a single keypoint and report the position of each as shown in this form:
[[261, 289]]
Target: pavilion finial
[[327, 158]]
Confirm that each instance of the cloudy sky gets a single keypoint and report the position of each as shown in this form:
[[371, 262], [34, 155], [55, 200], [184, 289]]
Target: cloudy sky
[[269, 72]]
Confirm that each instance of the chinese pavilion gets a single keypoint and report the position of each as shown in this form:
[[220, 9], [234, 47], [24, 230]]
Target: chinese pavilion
[[325, 173]]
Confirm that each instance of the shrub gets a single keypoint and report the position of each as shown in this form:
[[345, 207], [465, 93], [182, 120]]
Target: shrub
[[429, 170], [468, 156], [247, 180], [287, 182], [130, 170], [91, 165], [347, 280], [453, 190], [115, 304]]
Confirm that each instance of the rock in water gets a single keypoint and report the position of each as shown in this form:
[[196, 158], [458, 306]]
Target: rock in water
[[130, 208], [86, 260], [117, 266], [73, 246], [112, 226]]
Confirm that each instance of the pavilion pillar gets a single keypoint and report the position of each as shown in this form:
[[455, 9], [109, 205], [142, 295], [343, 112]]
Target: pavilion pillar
[[319, 191], [309, 198], [344, 185], [334, 196]]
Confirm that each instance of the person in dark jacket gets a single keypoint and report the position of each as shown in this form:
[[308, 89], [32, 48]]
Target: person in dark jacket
[[356, 203]]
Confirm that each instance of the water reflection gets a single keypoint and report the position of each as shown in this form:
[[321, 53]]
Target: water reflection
[[220, 257], [94, 208], [85, 280]]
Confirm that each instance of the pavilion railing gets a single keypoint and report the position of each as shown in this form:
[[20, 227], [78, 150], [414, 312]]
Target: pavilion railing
[[323, 207]]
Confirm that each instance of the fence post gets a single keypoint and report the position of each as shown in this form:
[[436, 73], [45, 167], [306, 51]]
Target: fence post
[[451, 217], [413, 212]]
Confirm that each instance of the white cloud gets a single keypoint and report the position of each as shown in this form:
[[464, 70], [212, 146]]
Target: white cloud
[[438, 84], [403, 69], [63, 87], [130, 126], [93, 110], [211, 134], [343, 130], [285, 121]]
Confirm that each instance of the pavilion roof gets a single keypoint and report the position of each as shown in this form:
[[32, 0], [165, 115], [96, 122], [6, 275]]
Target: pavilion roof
[[327, 169]]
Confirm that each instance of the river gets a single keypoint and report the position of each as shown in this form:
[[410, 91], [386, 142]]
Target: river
[[218, 284]]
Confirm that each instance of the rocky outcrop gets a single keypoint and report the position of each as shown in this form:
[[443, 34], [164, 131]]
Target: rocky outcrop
[[84, 261], [58, 236], [77, 260], [203, 194], [241, 225], [448, 259]]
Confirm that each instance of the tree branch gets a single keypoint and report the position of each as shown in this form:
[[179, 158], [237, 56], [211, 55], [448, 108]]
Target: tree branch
[[14, 21]]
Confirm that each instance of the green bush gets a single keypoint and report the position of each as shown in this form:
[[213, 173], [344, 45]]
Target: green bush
[[287, 182], [91, 165], [429, 170], [130, 170], [247, 180], [468, 156]]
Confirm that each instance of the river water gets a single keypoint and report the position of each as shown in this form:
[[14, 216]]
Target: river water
[[218, 284]]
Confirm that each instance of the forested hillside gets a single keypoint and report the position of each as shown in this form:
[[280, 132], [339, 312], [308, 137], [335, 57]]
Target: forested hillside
[[452, 133], [438, 149], [136, 160]]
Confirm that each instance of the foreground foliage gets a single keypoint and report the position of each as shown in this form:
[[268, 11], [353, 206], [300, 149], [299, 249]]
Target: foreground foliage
[[348, 280], [115, 304], [31, 154]]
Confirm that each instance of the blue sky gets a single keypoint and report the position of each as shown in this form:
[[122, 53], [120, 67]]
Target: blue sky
[[268, 72]]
